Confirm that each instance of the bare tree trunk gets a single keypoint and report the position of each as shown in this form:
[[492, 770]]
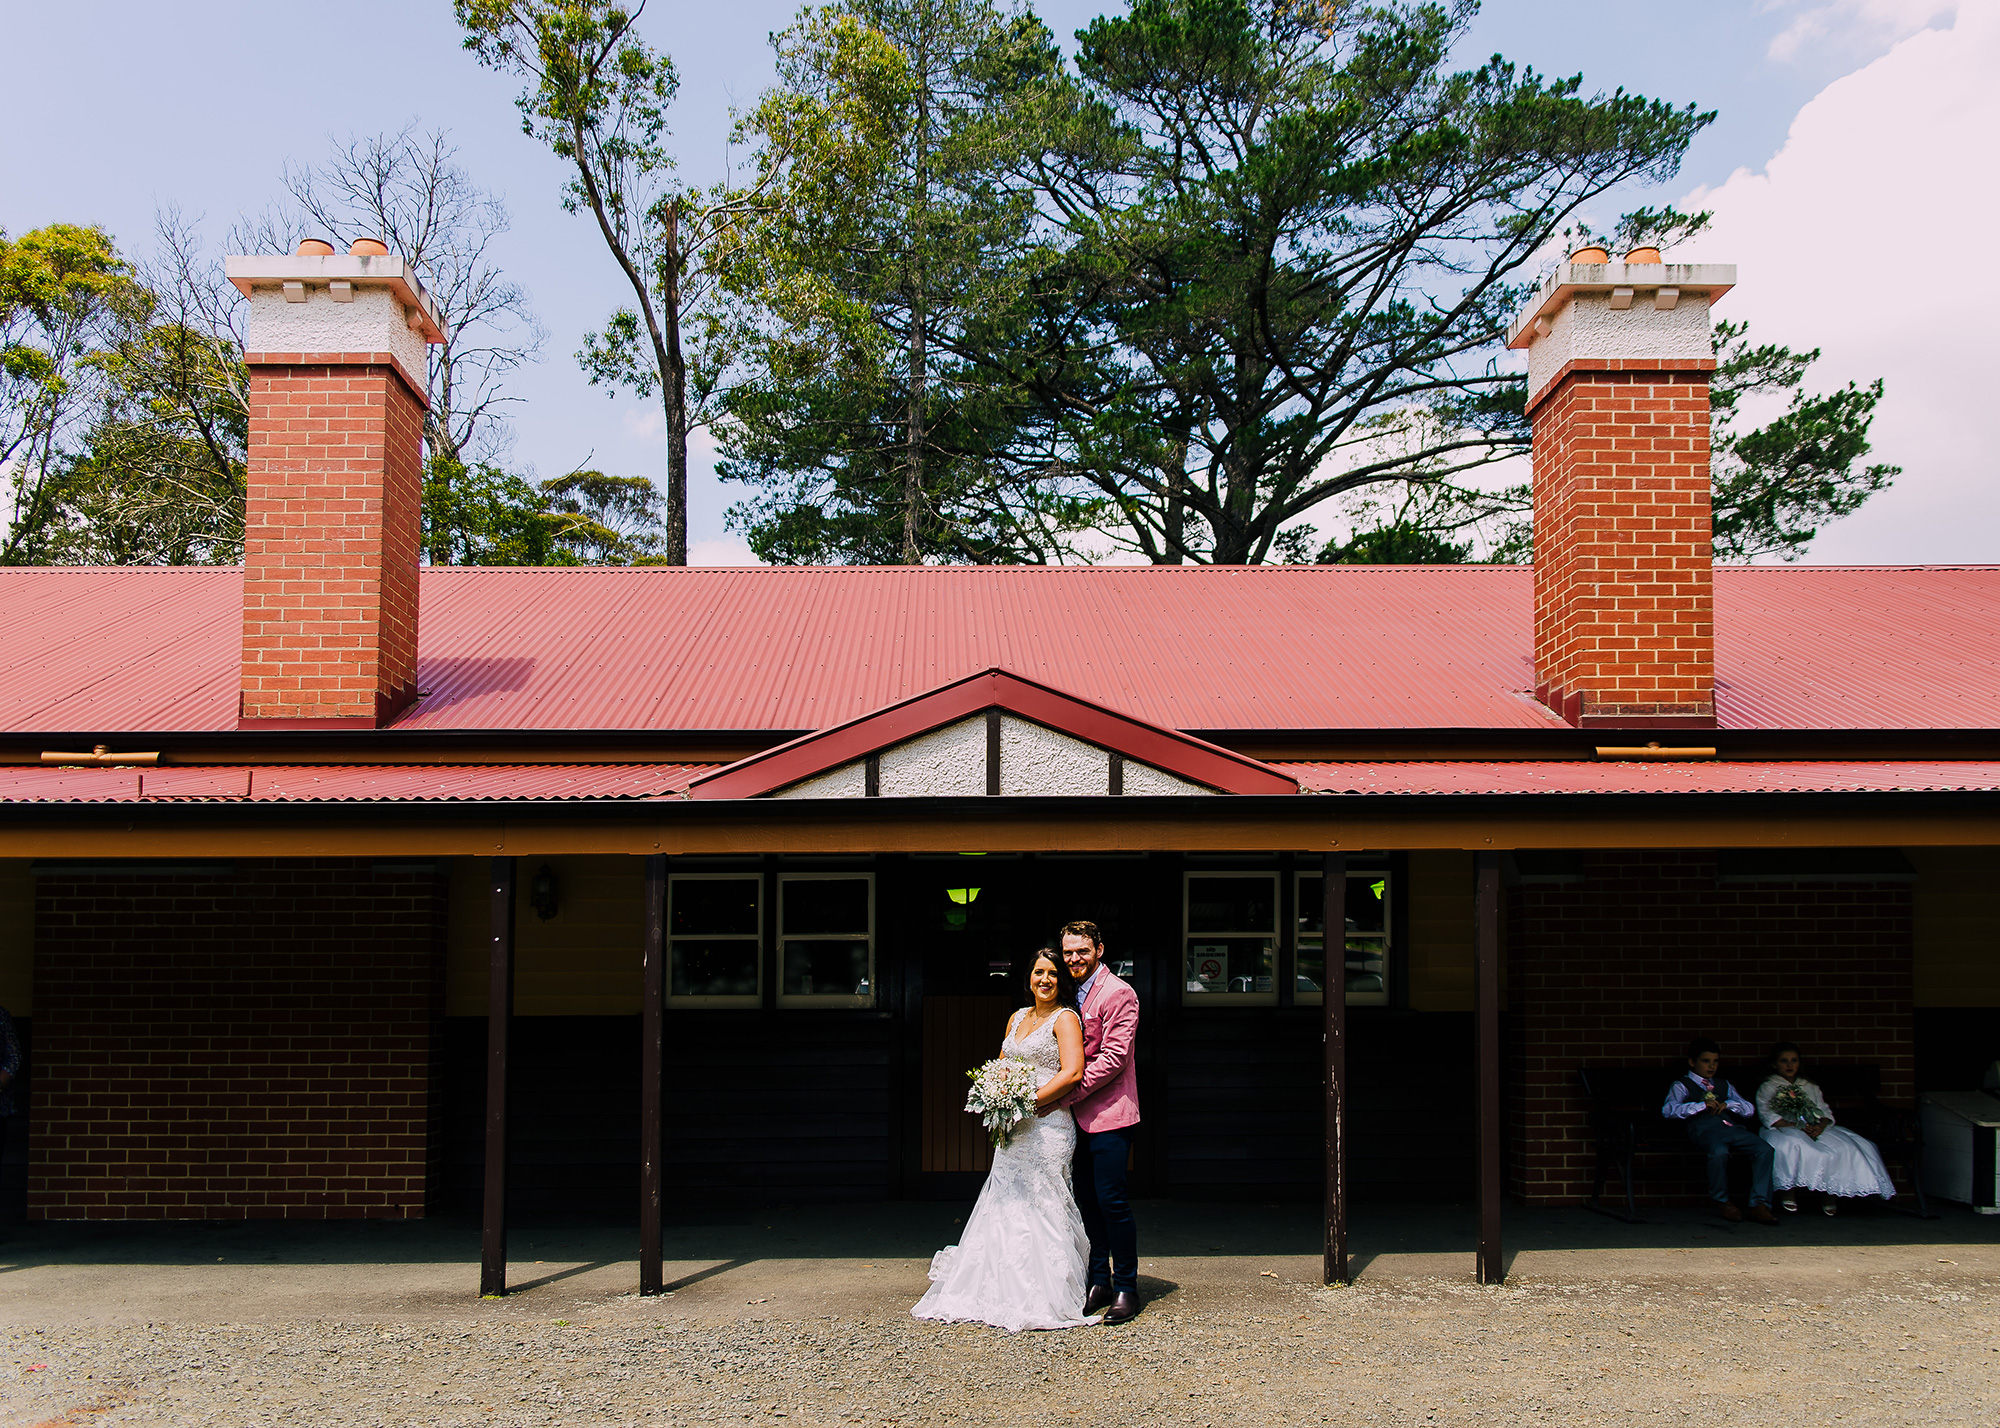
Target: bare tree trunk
[[672, 370], [673, 392], [913, 463]]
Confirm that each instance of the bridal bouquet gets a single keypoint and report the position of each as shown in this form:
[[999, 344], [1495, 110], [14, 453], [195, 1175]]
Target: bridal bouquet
[[1795, 1104], [1003, 1096]]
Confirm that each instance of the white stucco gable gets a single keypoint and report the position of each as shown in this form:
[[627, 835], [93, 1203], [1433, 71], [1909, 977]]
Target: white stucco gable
[[1033, 762]]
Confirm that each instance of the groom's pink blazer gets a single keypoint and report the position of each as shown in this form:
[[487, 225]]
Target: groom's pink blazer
[[1109, 1095]]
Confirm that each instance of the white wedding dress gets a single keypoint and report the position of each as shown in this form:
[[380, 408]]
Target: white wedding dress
[[1020, 1263], [1840, 1163]]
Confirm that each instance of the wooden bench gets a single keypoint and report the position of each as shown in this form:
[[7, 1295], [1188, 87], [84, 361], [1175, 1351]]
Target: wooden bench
[[1625, 1123]]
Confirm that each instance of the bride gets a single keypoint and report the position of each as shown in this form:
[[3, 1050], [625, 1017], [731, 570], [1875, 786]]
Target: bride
[[1020, 1263]]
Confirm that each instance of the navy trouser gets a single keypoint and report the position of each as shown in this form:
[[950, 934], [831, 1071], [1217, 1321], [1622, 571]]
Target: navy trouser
[[1719, 1141], [1099, 1176]]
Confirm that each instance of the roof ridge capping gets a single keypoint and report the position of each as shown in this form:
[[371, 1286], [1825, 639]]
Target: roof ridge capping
[[1190, 758]]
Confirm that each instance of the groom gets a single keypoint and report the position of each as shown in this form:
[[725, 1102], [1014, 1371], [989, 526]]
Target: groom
[[1106, 1107]]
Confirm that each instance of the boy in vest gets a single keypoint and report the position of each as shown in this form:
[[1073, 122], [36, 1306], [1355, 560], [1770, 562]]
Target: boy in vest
[[1721, 1120]]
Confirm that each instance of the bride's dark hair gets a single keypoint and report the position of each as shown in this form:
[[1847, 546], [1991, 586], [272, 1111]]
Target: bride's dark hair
[[1065, 983]]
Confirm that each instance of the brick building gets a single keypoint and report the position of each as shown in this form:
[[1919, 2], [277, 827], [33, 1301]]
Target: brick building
[[334, 886]]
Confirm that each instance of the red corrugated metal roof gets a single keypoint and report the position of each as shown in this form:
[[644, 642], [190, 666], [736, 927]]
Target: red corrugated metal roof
[[524, 782], [1927, 776], [349, 783], [1298, 647]]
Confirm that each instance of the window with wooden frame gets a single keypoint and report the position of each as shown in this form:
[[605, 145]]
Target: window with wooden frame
[[1365, 973], [826, 939], [715, 939], [1229, 929]]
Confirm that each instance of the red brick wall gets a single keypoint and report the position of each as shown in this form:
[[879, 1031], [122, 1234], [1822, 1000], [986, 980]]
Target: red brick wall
[[244, 1044], [1624, 624], [1649, 951], [330, 546]]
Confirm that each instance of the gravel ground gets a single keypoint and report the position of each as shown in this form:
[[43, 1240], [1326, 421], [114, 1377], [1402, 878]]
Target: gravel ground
[[1735, 1333]]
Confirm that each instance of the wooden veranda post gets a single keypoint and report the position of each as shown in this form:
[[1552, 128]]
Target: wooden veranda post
[[651, 1068], [499, 1014], [1486, 994], [1334, 997]]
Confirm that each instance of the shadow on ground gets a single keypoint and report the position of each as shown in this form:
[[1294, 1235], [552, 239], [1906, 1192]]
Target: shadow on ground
[[912, 1230]]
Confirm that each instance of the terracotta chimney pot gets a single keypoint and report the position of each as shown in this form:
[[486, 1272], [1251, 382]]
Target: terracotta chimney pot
[[1639, 256], [314, 248], [1590, 254], [376, 248]]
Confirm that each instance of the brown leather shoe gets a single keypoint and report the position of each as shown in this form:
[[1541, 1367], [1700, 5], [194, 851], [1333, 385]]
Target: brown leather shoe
[[1729, 1212], [1123, 1307], [1098, 1298], [1762, 1215]]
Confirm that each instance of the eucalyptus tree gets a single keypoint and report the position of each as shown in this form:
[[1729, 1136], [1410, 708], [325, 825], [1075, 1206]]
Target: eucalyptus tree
[[65, 292], [597, 96], [891, 223]]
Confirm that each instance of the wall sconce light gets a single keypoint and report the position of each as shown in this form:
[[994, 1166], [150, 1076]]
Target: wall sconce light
[[543, 893]]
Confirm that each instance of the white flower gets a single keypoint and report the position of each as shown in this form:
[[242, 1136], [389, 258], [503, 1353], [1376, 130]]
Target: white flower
[[1003, 1095]]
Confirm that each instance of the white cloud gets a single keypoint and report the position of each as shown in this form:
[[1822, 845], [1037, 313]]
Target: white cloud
[[726, 550], [1866, 236], [1853, 24], [644, 422]]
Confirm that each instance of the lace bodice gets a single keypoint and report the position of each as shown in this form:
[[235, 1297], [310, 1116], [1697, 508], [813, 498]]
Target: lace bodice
[[1038, 1048]]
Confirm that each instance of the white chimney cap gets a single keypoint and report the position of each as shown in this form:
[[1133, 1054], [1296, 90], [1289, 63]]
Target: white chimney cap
[[361, 271], [1573, 280]]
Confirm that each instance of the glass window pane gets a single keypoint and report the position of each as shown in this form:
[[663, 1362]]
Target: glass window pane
[[825, 905], [1312, 904], [1367, 965], [1311, 975], [823, 967], [710, 907], [714, 969], [1230, 964], [1218, 904]]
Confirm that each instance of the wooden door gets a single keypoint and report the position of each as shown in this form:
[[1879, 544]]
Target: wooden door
[[959, 1034]]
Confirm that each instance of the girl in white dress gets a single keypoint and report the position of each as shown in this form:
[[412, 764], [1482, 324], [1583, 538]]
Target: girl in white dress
[[1817, 1155], [1020, 1264]]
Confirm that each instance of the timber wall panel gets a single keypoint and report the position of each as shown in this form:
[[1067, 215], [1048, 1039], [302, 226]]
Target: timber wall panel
[[584, 961], [1438, 939], [1649, 950], [235, 1044], [17, 937], [1957, 927]]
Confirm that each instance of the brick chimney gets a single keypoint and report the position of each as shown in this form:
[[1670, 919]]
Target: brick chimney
[[335, 347], [1618, 362]]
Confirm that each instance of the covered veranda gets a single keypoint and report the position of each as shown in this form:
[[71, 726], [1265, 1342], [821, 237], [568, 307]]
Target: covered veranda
[[506, 845]]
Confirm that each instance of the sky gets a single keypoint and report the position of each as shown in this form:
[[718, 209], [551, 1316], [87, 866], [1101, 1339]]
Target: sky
[[1849, 160]]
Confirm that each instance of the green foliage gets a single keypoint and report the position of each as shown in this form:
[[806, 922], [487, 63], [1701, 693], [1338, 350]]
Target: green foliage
[[122, 405], [891, 220], [1775, 486], [1172, 293], [1772, 487], [65, 294], [1318, 222], [479, 514]]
